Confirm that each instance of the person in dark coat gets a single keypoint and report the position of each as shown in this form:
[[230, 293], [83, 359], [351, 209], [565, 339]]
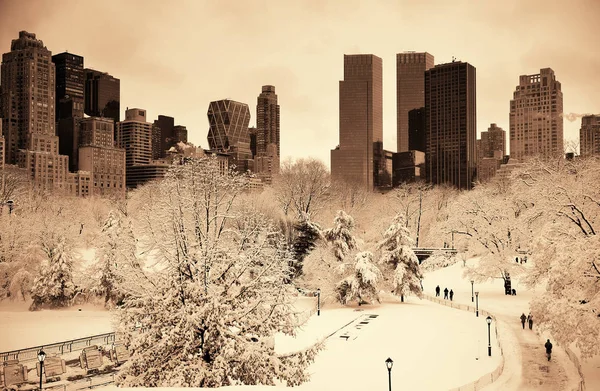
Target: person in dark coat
[[451, 294], [548, 347], [437, 291], [530, 321], [523, 319], [445, 293]]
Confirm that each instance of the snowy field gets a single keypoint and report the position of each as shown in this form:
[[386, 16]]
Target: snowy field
[[493, 299], [421, 337]]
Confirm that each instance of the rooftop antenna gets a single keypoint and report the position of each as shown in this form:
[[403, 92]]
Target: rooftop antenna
[[453, 58]]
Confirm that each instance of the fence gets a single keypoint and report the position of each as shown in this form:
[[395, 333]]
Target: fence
[[573, 357], [61, 348], [488, 378], [88, 384]]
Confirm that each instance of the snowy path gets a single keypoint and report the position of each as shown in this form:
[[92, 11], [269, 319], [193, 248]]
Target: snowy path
[[526, 367]]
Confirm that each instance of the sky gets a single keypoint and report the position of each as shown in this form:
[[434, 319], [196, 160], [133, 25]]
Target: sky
[[174, 57]]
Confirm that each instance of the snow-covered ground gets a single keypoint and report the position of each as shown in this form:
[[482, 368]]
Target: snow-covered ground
[[421, 338]]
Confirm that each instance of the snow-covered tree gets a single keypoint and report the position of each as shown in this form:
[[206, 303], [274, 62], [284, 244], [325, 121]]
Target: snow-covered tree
[[113, 257], [307, 233], [438, 260], [302, 187], [566, 248], [54, 286], [214, 296], [362, 284], [397, 254], [340, 235]]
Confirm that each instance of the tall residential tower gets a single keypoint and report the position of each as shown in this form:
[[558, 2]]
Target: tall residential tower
[[359, 156], [589, 136], [536, 122]]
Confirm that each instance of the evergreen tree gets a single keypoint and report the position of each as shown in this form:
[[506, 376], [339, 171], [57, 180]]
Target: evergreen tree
[[307, 234], [340, 236], [397, 254], [362, 284], [54, 286]]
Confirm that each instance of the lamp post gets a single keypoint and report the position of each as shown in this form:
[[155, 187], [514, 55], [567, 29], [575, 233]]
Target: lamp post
[[389, 363], [318, 301], [472, 297], [477, 304], [453, 240], [41, 358], [489, 323]]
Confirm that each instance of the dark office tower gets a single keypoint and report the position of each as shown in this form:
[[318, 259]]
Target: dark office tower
[[536, 123], [180, 135], [451, 124], [589, 136], [252, 134], [267, 120], [410, 93], [69, 84], [228, 131], [359, 156], [493, 142], [166, 125], [26, 93], [416, 130], [102, 95]]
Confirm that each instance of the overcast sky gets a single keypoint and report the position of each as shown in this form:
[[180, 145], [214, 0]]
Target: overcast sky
[[174, 57]]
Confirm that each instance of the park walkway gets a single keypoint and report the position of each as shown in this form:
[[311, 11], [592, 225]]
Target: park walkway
[[526, 366]]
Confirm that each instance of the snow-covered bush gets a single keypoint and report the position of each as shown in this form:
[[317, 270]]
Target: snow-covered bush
[[340, 236], [438, 260]]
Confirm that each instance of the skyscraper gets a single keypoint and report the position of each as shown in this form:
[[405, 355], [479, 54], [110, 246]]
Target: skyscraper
[[359, 156], [69, 84], [536, 123], [165, 124], [589, 136], [69, 104], [493, 142], [228, 131], [451, 124], [410, 90], [267, 120], [27, 109], [102, 95]]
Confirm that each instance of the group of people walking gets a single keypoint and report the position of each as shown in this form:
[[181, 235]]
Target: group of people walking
[[528, 319], [447, 294]]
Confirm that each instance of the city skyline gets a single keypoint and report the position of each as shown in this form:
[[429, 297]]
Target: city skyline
[[306, 67]]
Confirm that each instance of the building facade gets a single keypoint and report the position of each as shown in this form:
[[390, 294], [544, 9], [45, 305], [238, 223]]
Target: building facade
[[102, 95], [536, 122], [359, 156], [228, 132], [267, 121], [416, 130], [407, 167], [451, 124], [589, 136], [410, 92], [493, 142], [28, 111], [98, 156], [69, 84]]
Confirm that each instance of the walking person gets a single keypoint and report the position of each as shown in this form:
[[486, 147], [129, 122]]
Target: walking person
[[548, 347], [523, 319], [445, 293], [451, 294], [530, 321], [437, 291]]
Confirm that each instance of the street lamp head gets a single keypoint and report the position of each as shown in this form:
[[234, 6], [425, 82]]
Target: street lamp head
[[488, 320], [319, 290], [472, 282], [41, 355], [389, 363], [476, 293]]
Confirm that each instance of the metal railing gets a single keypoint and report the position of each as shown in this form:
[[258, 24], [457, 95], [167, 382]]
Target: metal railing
[[61, 348], [575, 360], [488, 378]]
